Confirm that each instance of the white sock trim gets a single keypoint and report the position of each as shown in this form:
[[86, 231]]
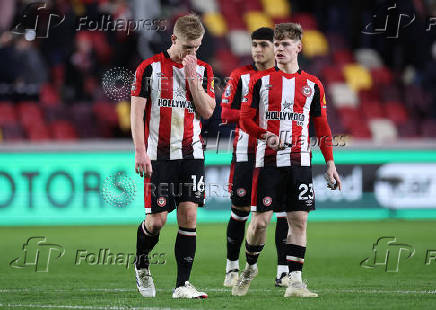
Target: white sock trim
[[238, 218], [254, 266], [232, 264], [282, 269], [295, 276], [295, 259], [187, 233]]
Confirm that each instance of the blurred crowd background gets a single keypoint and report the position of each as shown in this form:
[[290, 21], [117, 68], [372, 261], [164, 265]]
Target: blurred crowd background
[[377, 60]]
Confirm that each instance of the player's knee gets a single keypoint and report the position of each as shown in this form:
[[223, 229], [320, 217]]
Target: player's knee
[[187, 217], [156, 227], [245, 209], [299, 224], [259, 225], [155, 224]]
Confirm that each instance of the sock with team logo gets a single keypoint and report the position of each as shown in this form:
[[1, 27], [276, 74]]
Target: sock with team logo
[[145, 242], [235, 233], [252, 252], [295, 257], [185, 252], [280, 238]]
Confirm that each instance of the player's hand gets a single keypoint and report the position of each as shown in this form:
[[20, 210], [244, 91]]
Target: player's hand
[[190, 66], [332, 177], [273, 141], [143, 164]]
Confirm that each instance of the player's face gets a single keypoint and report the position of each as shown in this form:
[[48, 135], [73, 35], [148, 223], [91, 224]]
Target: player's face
[[287, 50], [262, 51], [185, 47]]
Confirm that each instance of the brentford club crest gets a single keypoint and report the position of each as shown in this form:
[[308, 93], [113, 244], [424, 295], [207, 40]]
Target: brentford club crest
[[161, 201], [306, 90], [267, 201], [241, 192]]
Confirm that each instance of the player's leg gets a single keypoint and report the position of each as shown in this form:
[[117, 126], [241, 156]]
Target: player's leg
[[234, 237], [185, 245], [256, 235], [265, 190], [281, 235], [254, 244], [299, 205], [192, 175], [157, 206], [148, 237], [240, 180]]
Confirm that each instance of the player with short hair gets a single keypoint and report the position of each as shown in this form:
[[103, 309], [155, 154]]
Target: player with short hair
[[242, 166], [174, 89], [277, 112]]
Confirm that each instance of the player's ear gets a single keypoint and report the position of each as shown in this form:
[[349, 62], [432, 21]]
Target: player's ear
[[299, 46]]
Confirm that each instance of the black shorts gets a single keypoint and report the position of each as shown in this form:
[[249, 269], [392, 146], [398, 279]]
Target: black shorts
[[172, 182], [240, 181], [290, 188]]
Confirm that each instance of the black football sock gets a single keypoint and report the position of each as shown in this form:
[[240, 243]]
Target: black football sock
[[185, 253], [235, 233], [295, 257], [145, 242], [281, 240], [252, 252], [281, 236]]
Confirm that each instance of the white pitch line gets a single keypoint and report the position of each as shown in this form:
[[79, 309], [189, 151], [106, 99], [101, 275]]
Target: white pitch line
[[86, 307], [429, 292], [118, 290]]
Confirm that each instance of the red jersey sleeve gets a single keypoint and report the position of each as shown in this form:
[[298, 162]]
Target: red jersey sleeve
[[318, 113], [231, 98], [250, 109], [141, 81], [208, 81]]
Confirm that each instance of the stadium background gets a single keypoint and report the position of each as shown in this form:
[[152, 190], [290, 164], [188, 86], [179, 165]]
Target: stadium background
[[64, 104], [62, 136]]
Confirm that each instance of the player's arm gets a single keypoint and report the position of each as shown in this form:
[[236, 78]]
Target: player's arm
[[140, 91], [249, 112], [231, 99], [318, 113], [204, 100], [142, 161]]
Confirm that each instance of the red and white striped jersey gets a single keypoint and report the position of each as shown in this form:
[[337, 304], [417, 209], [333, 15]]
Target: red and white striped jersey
[[283, 104], [172, 126], [233, 95]]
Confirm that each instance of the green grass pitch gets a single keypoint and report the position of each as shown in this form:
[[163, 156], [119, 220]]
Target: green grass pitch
[[332, 268]]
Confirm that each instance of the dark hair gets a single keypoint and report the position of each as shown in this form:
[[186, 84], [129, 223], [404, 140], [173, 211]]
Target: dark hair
[[263, 33]]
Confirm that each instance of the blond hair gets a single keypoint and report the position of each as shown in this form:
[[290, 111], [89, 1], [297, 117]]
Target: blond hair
[[285, 31], [189, 27]]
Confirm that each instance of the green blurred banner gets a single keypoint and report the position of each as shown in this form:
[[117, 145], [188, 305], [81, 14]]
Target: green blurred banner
[[64, 188]]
